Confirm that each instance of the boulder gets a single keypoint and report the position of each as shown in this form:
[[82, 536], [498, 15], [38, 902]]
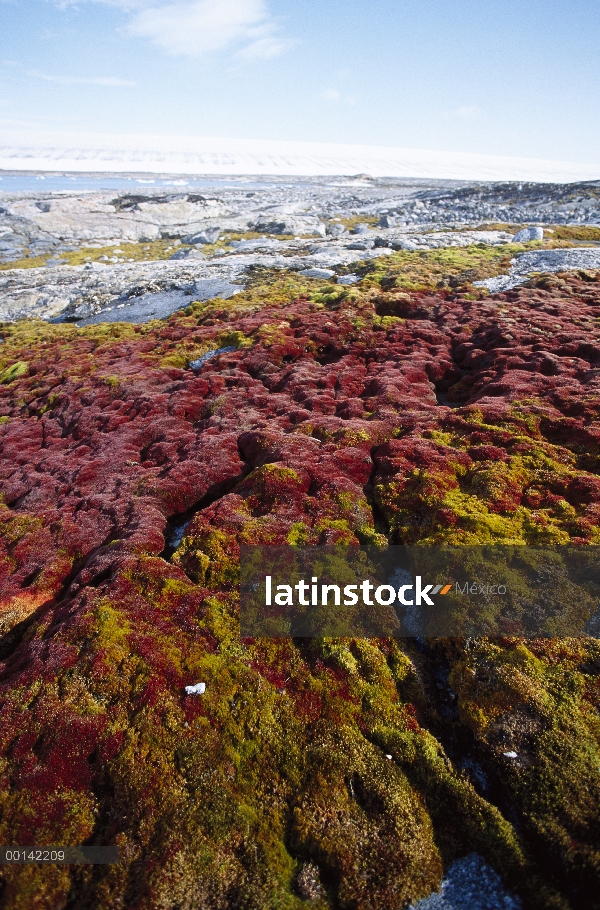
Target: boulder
[[361, 245], [403, 245], [317, 273], [188, 253], [336, 230], [208, 235], [530, 233]]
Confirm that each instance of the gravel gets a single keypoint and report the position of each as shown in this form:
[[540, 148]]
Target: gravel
[[470, 884], [533, 261]]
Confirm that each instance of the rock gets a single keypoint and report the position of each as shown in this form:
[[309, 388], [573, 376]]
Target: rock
[[258, 243], [510, 754], [207, 288], [403, 245], [530, 233], [386, 221], [526, 264], [361, 245], [361, 228], [317, 273], [348, 279], [470, 884], [209, 235], [198, 689], [139, 309], [336, 230], [309, 882], [199, 363], [188, 254], [271, 227]]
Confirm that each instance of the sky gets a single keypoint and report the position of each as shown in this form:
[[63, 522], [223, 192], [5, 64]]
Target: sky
[[493, 77]]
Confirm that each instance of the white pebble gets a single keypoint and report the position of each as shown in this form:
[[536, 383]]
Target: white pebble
[[198, 689]]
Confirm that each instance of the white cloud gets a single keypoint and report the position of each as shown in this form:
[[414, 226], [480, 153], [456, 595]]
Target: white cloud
[[77, 80], [202, 26], [197, 27]]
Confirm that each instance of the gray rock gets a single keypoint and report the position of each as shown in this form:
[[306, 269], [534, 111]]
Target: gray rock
[[470, 884], [188, 254], [386, 221], [542, 261], [271, 227], [143, 308], [208, 288], [317, 273], [348, 279], [159, 304], [361, 228], [209, 235], [530, 233], [336, 230], [197, 364], [264, 243], [361, 245], [403, 245]]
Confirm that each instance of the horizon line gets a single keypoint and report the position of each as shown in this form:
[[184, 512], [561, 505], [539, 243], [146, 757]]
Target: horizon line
[[105, 153]]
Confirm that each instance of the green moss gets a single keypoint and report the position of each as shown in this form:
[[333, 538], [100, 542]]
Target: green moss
[[387, 322], [144, 251], [420, 270], [21, 368], [298, 535]]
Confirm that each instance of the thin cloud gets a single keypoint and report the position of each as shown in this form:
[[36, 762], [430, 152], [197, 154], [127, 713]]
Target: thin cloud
[[198, 27], [335, 96], [269, 46], [330, 94], [111, 81], [466, 112]]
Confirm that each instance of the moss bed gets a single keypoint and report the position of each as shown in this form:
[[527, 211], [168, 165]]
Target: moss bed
[[406, 409]]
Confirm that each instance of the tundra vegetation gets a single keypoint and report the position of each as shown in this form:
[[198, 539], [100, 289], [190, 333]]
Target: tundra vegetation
[[412, 407]]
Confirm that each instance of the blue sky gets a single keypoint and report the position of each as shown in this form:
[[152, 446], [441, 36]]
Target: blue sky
[[486, 76]]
